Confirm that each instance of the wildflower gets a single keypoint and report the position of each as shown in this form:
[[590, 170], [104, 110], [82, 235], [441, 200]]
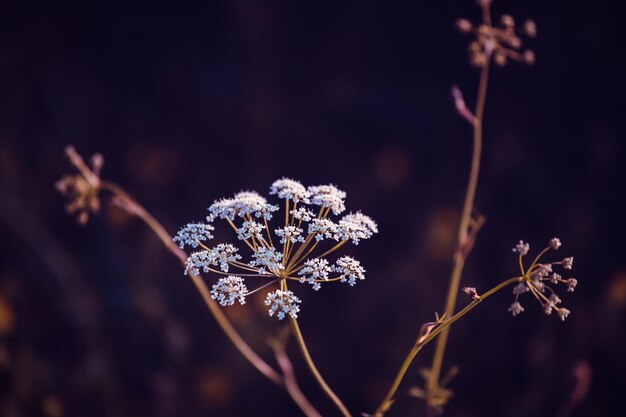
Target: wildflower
[[228, 290], [349, 269], [516, 308], [316, 269], [537, 279], [222, 209], [223, 254], [521, 248], [323, 229], [287, 188], [328, 196], [563, 313], [249, 215], [267, 257], [520, 288], [281, 303], [355, 227], [302, 214], [568, 262], [290, 233], [571, 284], [250, 229], [193, 233], [197, 261]]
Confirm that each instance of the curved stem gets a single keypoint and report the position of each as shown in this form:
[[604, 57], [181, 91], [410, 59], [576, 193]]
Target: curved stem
[[316, 374], [422, 341], [461, 251], [291, 384], [133, 207]]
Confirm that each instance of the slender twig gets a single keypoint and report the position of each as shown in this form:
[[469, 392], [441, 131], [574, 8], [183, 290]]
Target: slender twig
[[291, 384], [423, 340], [127, 202], [316, 374], [462, 250]]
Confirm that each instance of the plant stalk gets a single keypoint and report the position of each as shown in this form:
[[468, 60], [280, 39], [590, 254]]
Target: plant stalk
[[423, 341]]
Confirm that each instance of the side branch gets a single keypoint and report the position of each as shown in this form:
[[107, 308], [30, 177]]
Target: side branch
[[425, 339]]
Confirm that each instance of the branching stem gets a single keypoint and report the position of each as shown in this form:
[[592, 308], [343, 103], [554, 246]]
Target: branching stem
[[422, 341]]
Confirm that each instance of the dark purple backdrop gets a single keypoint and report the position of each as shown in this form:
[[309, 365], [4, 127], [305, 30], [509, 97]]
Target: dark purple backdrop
[[192, 102]]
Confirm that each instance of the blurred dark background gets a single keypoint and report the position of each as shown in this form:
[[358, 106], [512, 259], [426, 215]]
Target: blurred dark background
[[192, 102]]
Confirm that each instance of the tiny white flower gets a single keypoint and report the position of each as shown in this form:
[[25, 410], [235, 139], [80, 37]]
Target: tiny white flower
[[323, 229], [516, 308], [248, 229], [198, 261], [281, 303], [555, 299], [193, 233], [267, 257], [303, 214], [520, 288], [568, 262], [222, 209], [555, 243], [289, 189], [571, 284], [350, 270], [228, 290], [313, 270], [356, 226], [521, 248], [328, 196], [563, 313], [291, 233], [223, 254]]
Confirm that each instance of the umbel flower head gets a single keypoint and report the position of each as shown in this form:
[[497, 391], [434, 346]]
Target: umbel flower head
[[295, 252], [538, 279]]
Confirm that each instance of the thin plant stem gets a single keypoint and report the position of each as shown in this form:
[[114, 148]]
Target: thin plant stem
[[291, 384], [424, 340], [133, 207], [316, 374], [462, 241]]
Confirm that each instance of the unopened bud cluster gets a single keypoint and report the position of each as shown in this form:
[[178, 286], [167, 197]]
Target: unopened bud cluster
[[540, 278], [501, 42]]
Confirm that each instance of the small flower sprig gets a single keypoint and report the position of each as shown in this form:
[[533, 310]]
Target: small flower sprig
[[537, 277], [82, 188], [501, 42], [533, 279], [289, 255]]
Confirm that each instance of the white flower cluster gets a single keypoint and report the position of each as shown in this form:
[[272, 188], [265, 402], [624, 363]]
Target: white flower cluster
[[328, 196], [350, 270], [288, 189], [193, 233], [316, 269], [537, 276], [289, 233], [296, 259], [245, 203], [222, 255], [248, 229], [283, 302], [228, 290]]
